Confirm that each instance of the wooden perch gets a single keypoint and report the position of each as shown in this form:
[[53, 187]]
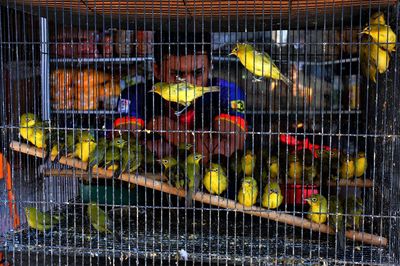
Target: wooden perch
[[27, 149], [155, 183], [257, 211]]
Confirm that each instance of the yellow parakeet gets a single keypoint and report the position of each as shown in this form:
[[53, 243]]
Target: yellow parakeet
[[32, 129]]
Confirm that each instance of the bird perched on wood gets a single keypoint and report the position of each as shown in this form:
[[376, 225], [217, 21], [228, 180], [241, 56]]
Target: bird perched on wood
[[260, 64], [65, 145], [361, 164], [248, 192], [272, 197], [183, 93], [215, 180], [318, 211], [113, 157], [192, 173], [97, 156], [39, 220], [131, 157], [168, 162], [34, 130], [85, 145], [347, 167]]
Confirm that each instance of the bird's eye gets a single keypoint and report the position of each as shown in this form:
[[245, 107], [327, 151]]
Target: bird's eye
[[314, 199], [164, 161]]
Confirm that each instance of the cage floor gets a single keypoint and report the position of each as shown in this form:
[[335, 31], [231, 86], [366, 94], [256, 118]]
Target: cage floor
[[207, 235]]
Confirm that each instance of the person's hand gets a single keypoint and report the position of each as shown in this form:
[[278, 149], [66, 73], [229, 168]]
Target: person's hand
[[231, 136], [175, 134]]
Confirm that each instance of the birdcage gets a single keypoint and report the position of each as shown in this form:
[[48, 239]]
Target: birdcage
[[229, 132]]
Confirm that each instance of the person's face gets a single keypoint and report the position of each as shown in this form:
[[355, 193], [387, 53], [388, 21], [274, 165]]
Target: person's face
[[193, 69]]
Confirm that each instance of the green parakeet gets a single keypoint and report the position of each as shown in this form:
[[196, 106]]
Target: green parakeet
[[39, 220]]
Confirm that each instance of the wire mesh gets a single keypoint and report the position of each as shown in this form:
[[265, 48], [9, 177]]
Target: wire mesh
[[312, 112]]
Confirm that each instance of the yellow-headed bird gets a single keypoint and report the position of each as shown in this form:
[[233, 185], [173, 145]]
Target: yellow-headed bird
[[183, 93], [32, 129], [260, 64], [361, 164], [377, 18], [215, 180], [248, 162], [86, 144], [272, 197], [39, 220], [347, 167], [248, 192], [383, 35], [273, 167], [295, 167], [318, 208]]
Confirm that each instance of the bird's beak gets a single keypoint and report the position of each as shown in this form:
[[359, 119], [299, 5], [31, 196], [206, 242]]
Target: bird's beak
[[308, 201], [159, 161], [152, 90]]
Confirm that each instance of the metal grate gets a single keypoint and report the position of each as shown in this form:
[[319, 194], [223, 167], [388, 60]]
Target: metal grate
[[87, 67]]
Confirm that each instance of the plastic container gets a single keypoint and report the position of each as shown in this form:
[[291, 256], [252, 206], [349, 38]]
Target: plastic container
[[107, 194], [296, 194]]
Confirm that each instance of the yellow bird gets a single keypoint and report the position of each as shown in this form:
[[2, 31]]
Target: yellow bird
[[374, 55], [31, 129], [295, 167], [377, 18], [367, 65], [347, 167], [85, 146], [248, 192], [248, 163], [215, 180], [272, 197], [260, 64], [383, 35], [183, 93], [318, 208], [273, 166], [361, 164]]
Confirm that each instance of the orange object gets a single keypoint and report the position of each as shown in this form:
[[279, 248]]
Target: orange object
[[5, 171], [61, 88]]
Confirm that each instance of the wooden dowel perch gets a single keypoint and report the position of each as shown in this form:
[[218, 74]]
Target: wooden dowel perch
[[256, 211], [154, 182], [27, 149]]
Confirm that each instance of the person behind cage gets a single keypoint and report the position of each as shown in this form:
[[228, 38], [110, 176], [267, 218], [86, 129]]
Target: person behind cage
[[214, 124]]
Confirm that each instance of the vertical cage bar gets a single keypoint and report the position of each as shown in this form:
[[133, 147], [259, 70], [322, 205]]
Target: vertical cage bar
[[45, 67]]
